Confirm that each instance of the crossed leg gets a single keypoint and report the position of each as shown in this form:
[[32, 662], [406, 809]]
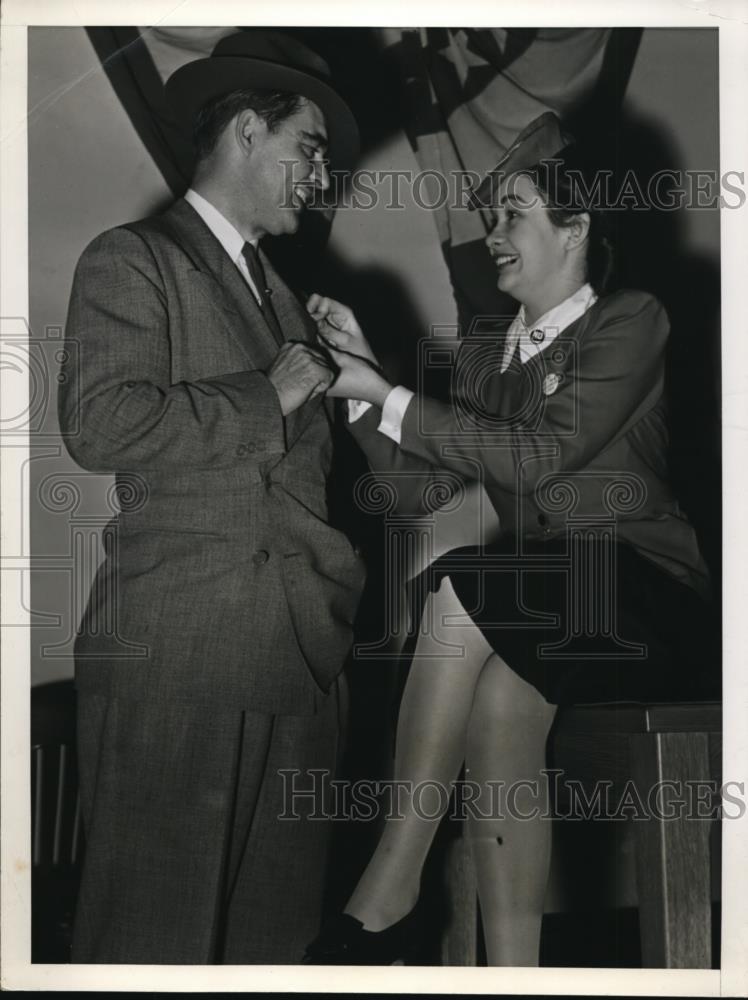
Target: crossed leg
[[430, 747], [474, 709]]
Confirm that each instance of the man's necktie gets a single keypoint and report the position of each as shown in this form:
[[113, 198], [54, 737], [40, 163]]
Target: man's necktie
[[257, 274]]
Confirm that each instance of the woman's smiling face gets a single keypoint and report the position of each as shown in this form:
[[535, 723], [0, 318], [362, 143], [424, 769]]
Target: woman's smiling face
[[528, 250]]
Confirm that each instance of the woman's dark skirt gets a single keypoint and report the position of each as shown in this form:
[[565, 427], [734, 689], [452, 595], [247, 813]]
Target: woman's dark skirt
[[585, 620]]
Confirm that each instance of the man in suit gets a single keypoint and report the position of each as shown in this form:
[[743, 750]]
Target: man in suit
[[208, 659]]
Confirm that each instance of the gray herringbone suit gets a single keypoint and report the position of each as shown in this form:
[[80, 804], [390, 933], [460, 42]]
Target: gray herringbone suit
[[209, 653]]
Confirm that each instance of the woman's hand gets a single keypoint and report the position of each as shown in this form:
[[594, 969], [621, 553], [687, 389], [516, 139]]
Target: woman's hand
[[357, 379], [337, 326]]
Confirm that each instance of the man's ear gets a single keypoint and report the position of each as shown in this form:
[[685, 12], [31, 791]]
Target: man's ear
[[247, 126], [577, 230]]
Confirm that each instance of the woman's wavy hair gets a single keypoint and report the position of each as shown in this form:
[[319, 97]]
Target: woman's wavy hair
[[569, 190]]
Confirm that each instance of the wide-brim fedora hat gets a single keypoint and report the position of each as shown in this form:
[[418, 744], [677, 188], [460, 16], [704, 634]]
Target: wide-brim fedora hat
[[265, 60], [540, 142]]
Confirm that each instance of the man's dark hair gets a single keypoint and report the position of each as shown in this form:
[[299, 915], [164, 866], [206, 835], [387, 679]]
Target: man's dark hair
[[273, 106]]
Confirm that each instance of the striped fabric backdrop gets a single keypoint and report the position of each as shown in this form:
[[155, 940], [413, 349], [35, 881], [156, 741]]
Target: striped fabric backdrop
[[464, 94]]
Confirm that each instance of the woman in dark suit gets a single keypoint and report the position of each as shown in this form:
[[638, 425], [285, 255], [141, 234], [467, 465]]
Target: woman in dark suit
[[584, 595]]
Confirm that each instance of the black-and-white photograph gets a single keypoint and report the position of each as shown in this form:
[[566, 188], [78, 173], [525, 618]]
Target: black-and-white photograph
[[371, 488]]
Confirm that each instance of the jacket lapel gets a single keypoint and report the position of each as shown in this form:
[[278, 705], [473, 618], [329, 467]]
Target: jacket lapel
[[231, 295], [220, 278], [515, 393], [557, 363]]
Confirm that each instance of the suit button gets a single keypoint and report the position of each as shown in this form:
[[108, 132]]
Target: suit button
[[542, 520], [241, 450], [260, 557], [250, 447]]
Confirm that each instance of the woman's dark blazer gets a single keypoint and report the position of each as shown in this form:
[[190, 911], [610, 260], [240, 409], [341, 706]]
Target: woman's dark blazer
[[576, 436]]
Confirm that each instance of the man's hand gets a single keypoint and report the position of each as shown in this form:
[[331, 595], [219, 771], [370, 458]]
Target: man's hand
[[298, 373], [358, 380], [337, 326]]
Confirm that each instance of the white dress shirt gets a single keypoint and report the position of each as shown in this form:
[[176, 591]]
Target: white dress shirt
[[529, 340], [230, 238]]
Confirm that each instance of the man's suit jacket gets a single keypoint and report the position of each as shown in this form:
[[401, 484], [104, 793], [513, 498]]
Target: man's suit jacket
[[223, 565], [576, 435]]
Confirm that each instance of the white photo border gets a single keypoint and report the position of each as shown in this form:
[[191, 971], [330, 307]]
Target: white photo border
[[730, 17]]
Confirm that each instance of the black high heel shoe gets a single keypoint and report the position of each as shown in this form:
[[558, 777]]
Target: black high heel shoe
[[343, 941]]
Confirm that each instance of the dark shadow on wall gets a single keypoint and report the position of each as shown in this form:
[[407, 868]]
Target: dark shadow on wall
[[363, 77], [653, 255]]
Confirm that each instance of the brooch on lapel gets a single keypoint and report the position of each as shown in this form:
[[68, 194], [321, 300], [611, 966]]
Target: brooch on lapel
[[550, 383]]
